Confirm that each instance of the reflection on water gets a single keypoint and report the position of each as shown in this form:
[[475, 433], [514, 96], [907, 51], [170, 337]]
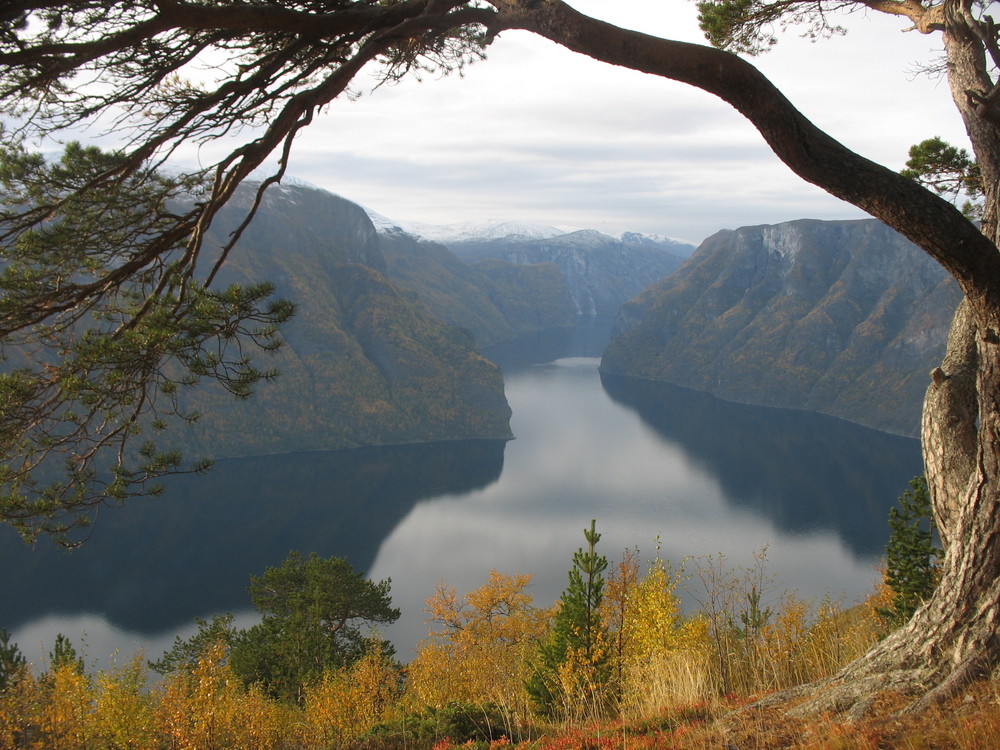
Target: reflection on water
[[158, 563], [683, 474], [648, 463], [803, 471]]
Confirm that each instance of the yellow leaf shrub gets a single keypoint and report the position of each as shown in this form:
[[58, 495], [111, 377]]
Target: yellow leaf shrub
[[348, 702], [19, 702], [209, 709], [64, 719], [482, 647], [659, 654], [125, 713]]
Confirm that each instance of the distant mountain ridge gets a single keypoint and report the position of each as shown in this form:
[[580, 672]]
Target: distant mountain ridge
[[601, 272], [496, 301], [845, 318]]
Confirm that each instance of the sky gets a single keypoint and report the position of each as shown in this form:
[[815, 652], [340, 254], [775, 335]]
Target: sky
[[538, 134]]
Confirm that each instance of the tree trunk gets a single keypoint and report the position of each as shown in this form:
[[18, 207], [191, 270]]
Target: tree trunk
[[948, 430], [953, 638]]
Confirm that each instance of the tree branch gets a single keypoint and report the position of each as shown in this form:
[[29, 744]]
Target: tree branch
[[929, 221]]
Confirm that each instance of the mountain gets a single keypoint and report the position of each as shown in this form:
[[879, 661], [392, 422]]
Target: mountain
[[478, 231], [601, 272], [365, 363], [495, 300], [845, 318]]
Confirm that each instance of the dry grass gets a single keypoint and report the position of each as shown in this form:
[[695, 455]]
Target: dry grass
[[971, 722]]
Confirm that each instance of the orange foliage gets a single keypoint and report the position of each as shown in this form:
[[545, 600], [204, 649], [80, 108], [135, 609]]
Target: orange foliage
[[209, 709], [480, 652]]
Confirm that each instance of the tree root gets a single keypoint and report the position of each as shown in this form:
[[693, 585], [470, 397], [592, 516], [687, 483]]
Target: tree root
[[854, 697]]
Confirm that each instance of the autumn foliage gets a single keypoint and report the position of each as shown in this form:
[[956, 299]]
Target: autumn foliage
[[480, 647], [663, 671]]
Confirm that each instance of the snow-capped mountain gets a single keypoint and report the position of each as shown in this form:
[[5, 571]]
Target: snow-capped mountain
[[515, 231], [477, 231]]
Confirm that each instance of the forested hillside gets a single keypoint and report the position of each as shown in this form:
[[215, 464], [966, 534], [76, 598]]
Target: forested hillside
[[844, 318], [365, 363], [495, 300]]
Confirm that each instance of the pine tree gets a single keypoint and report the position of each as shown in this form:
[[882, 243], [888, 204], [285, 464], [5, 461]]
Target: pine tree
[[911, 555], [12, 661], [314, 612], [578, 640], [64, 654]]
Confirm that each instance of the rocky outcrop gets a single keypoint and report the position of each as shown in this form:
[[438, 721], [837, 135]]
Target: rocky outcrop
[[600, 271], [844, 318]]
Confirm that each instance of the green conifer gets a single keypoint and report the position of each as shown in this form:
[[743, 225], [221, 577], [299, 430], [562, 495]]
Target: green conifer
[[911, 555], [64, 654], [12, 661], [577, 631]]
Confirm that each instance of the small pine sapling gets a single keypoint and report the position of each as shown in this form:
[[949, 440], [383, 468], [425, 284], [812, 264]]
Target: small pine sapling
[[911, 555]]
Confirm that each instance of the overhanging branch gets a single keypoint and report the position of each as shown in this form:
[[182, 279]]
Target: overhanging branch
[[929, 221]]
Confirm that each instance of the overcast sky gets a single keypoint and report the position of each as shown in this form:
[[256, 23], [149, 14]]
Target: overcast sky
[[536, 133]]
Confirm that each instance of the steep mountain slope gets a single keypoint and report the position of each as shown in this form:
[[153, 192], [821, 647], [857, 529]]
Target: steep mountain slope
[[364, 364], [496, 301], [844, 318], [600, 271]]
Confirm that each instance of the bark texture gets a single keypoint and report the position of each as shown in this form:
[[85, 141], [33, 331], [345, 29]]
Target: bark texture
[[948, 430]]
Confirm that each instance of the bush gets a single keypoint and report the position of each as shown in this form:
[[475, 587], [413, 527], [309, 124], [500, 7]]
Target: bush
[[457, 722]]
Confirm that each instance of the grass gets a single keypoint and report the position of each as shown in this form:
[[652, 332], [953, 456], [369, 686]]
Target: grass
[[970, 722]]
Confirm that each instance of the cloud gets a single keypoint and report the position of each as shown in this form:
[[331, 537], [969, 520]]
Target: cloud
[[539, 133]]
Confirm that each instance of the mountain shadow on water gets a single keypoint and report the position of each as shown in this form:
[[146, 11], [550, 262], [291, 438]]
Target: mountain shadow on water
[[160, 562], [855, 474]]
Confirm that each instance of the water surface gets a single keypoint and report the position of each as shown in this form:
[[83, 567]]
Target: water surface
[[654, 465]]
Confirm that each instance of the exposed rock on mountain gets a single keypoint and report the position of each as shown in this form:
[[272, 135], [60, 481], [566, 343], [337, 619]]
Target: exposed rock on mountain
[[600, 271], [364, 363], [844, 318]]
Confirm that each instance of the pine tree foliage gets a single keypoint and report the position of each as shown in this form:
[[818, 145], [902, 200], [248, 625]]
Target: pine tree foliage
[[315, 611], [183, 656], [64, 655], [750, 26], [107, 302], [947, 170], [101, 330], [911, 554], [574, 657], [12, 661]]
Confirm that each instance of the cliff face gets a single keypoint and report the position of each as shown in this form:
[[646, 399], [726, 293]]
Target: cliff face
[[364, 363], [600, 272], [842, 318]]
